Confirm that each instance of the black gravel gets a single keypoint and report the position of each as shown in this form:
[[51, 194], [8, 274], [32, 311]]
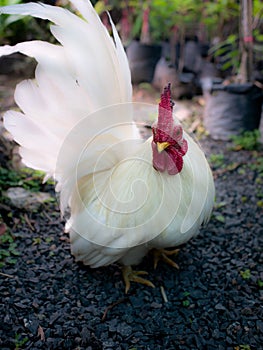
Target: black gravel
[[214, 301]]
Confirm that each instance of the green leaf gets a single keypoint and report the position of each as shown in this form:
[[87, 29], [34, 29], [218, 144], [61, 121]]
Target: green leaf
[[4, 253], [220, 218], [231, 39], [227, 65], [186, 303], [245, 274], [11, 261], [9, 2], [101, 7], [260, 283], [15, 252], [220, 51]]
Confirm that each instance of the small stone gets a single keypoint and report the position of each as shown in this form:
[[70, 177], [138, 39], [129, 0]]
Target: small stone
[[156, 305], [20, 305], [216, 334], [24, 199], [31, 325], [220, 307], [124, 330], [85, 335], [259, 325]]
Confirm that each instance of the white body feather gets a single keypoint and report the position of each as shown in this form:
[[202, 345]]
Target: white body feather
[[77, 126]]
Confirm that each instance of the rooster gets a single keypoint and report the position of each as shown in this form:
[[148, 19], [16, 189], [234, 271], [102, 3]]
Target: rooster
[[126, 196]]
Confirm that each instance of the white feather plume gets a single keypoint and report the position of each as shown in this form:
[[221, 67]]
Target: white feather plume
[[68, 85], [77, 125]]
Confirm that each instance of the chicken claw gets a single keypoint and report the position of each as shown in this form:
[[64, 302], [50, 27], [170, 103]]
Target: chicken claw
[[134, 276], [162, 254]]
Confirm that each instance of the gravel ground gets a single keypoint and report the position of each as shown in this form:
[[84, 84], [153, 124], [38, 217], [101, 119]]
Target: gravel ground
[[213, 302]]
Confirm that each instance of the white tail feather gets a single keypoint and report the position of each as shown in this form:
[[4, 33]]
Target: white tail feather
[[73, 81]]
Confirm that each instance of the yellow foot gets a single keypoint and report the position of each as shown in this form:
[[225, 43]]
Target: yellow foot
[[134, 276], [162, 254]]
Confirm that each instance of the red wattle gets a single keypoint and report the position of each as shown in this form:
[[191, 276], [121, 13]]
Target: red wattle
[[174, 162]]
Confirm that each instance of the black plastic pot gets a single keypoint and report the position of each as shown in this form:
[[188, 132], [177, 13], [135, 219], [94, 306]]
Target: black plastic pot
[[164, 73], [182, 84], [142, 61], [232, 109], [16, 63]]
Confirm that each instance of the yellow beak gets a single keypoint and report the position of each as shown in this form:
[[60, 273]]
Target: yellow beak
[[161, 146]]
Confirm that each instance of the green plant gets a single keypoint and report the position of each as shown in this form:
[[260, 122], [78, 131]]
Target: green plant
[[257, 165], [101, 6], [162, 17], [260, 283], [19, 341], [165, 15], [242, 46], [220, 218], [245, 274], [228, 52], [25, 177], [8, 178], [49, 239], [16, 28], [258, 45], [8, 251], [36, 240], [220, 16], [219, 205], [186, 301], [217, 160], [248, 140], [243, 347]]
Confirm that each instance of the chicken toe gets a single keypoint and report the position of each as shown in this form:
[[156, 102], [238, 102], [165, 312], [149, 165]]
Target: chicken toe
[[129, 275], [162, 254]]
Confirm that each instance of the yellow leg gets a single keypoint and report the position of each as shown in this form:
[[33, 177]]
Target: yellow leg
[[134, 276], [162, 254]]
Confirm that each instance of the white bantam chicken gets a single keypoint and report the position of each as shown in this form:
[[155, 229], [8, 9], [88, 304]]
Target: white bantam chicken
[[126, 195]]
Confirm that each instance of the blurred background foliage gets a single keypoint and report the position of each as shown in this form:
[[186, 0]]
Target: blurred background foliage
[[207, 19], [215, 24], [15, 28]]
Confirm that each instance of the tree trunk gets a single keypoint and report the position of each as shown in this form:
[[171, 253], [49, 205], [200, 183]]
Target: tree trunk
[[246, 42]]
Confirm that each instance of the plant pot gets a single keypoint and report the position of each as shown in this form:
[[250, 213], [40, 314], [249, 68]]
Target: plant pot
[[232, 109], [142, 61], [164, 73], [182, 85], [16, 63]]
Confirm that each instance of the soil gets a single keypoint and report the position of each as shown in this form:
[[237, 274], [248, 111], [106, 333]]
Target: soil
[[213, 302]]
